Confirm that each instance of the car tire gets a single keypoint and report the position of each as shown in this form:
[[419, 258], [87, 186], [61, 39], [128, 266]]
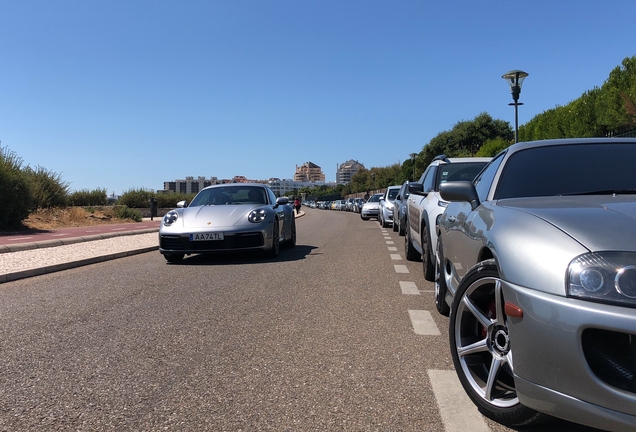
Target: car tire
[[384, 222], [401, 227], [487, 375], [440, 282], [428, 265], [395, 225], [273, 252], [173, 258], [409, 251], [364, 218], [291, 243]]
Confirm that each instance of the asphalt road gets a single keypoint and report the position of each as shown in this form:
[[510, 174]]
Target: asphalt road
[[334, 334]]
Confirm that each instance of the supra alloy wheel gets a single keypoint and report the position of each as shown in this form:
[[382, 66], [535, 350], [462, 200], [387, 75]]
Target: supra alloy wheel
[[482, 349]]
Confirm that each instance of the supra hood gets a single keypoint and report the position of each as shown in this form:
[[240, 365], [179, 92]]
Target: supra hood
[[598, 222]]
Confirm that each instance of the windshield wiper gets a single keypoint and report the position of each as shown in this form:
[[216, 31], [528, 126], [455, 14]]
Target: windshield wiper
[[602, 192]]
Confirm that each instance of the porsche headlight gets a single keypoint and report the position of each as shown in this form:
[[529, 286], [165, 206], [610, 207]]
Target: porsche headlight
[[607, 277], [257, 216], [170, 217]]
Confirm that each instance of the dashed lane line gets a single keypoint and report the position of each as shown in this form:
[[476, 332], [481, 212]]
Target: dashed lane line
[[392, 249], [458, 412], [396, 257], [401, 268], [409, 288], [423, 323]]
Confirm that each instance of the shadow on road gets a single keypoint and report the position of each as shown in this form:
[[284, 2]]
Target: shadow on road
[[247, 257]]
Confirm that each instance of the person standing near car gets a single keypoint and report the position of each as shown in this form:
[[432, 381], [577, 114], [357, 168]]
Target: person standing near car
[[297, 205]]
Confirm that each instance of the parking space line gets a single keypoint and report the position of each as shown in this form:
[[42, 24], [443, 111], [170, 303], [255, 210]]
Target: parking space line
[[458, 412], [396, 257], [401, 268], [392, 248], [390, 242], [423, 323], [409, 288]]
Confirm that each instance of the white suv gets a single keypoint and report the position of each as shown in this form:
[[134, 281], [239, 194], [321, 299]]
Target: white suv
[[425, 206]]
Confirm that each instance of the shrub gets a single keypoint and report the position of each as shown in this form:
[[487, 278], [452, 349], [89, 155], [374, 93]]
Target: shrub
[[124, 212], [47, 188], [86, 198], [15, 196], [136, 198]]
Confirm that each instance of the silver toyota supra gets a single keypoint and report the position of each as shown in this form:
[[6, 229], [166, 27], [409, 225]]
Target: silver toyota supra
[[536, 266], [228, 217]]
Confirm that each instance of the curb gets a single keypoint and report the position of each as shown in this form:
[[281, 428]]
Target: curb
[[23, 274]]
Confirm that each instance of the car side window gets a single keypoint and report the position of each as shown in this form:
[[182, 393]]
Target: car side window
[[272, 197], [428, 179], [485, 178]]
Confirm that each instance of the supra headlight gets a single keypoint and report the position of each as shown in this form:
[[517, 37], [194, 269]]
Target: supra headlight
[[608, 277], [257, 215], [170, 217]]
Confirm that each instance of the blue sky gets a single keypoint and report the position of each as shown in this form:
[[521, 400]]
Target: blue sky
[[129, 94]]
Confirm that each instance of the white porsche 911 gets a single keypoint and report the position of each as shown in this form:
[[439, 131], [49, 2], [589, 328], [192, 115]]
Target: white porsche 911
[[228, 217]]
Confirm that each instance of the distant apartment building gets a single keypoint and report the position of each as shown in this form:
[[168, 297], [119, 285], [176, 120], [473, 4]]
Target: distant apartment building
[[347, 170], [190, 184], [194, 185], [309, 172], [281, 187]]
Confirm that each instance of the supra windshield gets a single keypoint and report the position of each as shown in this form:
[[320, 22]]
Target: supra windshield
[[585, 169]]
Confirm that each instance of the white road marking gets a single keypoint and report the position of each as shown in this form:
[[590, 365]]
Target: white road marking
[[423, 323], [409, 288], [58, 235], [396, 257], [392, 248], [20, 238], [401, 268], [390, 242], [118, 229], [458, 412]]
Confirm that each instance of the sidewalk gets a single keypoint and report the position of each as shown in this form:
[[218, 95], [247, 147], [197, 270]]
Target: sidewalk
[[25, 260]]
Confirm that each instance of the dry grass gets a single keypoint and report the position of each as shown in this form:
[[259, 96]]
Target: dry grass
[[70, 217]]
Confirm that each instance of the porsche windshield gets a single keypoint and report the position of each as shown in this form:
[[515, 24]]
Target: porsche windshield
[[230, 195]]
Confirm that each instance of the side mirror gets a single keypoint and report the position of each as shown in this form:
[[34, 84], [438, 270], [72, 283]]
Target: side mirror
[[182, 204], [282, 201], [458, 191], [417, 189]]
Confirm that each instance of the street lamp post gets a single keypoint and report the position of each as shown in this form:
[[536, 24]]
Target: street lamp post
[[515, 78], [413, 156]]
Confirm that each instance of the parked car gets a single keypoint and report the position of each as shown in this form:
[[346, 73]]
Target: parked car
[[536, 265], [228, 217], [399, 209], [385, 210], [349, 204], [357, 204], [371, 207], [425, 206]]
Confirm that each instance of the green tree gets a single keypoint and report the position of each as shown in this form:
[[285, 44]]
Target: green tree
[[465, 139]]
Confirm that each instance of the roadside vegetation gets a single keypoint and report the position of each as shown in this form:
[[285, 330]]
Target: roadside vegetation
[[609, 110]]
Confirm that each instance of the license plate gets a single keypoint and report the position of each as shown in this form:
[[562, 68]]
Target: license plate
[[206, 236]]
